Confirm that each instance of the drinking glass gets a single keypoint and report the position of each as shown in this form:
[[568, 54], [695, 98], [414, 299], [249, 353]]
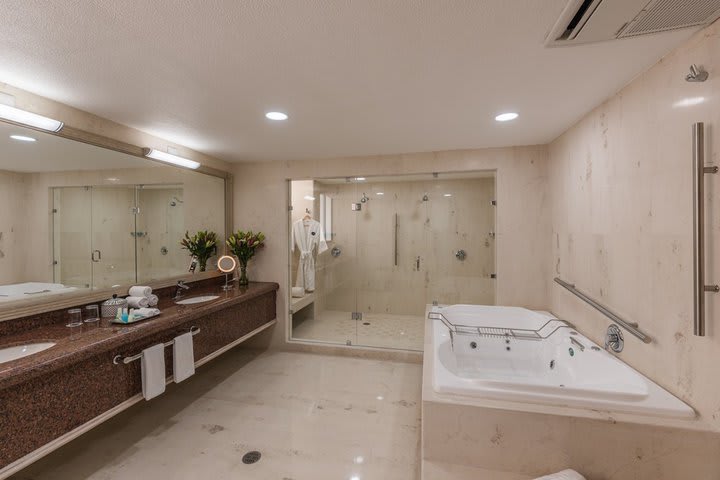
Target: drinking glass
[[92, 314], [75, 317]]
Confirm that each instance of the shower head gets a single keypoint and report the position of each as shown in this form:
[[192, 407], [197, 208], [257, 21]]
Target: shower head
[[174, 201], [425, 197], [364, 198]]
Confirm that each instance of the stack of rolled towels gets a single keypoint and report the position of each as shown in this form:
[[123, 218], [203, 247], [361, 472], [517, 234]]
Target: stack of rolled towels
[[141, 297]]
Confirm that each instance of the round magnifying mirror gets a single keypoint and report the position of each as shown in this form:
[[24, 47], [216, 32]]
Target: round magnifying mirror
[[226, 264]]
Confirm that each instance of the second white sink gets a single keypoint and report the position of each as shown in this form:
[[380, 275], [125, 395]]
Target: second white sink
[[9, 354], [200, 299]]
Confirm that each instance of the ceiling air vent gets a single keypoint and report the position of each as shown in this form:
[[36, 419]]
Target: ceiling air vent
[[588, 21]]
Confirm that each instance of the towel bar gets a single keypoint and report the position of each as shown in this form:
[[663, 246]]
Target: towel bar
[[118, 359]]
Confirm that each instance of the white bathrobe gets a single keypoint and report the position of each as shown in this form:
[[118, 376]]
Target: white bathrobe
[[308, 235]]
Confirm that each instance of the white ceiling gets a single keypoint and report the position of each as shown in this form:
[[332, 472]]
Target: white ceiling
[[50, 153], [356, 77]]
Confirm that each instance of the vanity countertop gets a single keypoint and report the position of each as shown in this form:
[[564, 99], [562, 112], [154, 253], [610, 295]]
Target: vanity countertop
[[105, 336]]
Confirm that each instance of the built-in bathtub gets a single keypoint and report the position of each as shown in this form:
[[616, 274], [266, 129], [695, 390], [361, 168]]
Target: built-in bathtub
[[561, 368]]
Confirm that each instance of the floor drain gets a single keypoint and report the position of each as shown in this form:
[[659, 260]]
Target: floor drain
[[366, 323], [251, 457]]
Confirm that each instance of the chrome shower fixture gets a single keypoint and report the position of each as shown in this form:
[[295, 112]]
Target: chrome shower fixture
[[697, 74], [425, 197], [174, 201], [364, 198]]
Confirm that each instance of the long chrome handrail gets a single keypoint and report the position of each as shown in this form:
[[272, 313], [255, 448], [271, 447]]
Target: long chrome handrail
[[698, 172], [629, 326]]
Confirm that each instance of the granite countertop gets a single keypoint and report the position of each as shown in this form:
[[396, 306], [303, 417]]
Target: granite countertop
[[105, 336]]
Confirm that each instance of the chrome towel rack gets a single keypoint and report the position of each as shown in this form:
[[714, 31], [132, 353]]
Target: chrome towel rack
[[118, 359], [699, 170], [631, 327]]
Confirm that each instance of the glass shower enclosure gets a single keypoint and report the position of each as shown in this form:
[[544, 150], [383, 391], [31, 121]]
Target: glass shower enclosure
[[394, 245], [113, 235]]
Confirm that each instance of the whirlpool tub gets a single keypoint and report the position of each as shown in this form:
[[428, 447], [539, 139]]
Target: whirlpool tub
[[518, 355]]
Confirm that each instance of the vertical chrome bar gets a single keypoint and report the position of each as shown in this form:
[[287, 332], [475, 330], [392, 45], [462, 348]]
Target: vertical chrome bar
[[698, 172], [397, 226]]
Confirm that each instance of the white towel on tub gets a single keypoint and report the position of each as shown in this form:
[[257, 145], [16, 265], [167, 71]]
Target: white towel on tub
[[153, 371], [564, 475], [183, 357]]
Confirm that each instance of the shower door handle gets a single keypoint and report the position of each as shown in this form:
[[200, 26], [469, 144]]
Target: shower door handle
[[395, 253]]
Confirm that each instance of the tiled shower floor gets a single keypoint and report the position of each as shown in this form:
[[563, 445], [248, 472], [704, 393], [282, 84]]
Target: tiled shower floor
[[311, 416], [404, 332]]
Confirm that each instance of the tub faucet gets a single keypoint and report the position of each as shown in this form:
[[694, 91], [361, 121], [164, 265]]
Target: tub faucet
[[614, 339], [180, 287]]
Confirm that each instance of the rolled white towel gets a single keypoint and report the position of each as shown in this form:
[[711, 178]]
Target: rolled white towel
[[298, 292], [139, 291], [138, 302], [153, 300], [564, 475]]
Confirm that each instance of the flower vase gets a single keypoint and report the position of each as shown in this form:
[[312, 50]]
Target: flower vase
[[243, 282]]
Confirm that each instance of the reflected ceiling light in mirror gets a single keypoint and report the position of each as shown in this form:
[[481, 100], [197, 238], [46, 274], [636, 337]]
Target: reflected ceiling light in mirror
[[506, 117], [22, 138], [277, 116], [309, 197], [689, 102], [359, 179], [170, 158], [447, 194], [380, 193], [30, 119]]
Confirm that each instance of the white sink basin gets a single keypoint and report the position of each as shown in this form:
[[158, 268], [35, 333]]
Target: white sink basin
[[13, 353], [200, 299]]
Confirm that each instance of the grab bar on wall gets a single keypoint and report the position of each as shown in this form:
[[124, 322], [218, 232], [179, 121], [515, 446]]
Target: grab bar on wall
[[631, 327], [699, 170], [397, 227]]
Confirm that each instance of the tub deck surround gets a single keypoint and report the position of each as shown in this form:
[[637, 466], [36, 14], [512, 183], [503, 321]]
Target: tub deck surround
[[49, 397], [465, 437]]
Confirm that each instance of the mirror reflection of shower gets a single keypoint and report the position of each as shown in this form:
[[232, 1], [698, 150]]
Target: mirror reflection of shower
[[364, 198], [174, 201], [425, 197]]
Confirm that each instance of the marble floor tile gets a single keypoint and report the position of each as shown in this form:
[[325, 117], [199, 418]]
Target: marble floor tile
[[311, 416]]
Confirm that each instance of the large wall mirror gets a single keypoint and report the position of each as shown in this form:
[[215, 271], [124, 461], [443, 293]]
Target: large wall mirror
[[75, 218]]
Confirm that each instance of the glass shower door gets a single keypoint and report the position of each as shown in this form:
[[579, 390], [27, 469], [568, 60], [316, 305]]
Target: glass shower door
[[113, 236], [72, 265]]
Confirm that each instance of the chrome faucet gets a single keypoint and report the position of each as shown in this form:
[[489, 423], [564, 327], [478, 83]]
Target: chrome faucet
[[614, 339], [180, 287]]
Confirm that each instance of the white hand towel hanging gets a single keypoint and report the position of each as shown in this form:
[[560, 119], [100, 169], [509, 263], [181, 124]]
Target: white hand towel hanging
[[308, 236], [153, 371], [183, 357]]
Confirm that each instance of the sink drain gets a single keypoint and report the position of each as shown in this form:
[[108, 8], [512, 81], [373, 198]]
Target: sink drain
[[251, 457]]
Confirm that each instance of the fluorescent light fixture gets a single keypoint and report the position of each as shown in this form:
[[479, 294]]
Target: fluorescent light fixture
[[506, 117], [169, 158], [689, 102], [34, 120], [22, 138], [309, 197], [380, 193], [278, 116], [360, 179]]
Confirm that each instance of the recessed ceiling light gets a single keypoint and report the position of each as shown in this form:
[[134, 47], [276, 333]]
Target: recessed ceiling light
[[506, 117], [276, 116], [22, 138], [360, 179]]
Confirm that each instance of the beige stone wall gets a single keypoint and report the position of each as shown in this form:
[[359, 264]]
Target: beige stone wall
[[621, 194], [522, 241], [13, 198]]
